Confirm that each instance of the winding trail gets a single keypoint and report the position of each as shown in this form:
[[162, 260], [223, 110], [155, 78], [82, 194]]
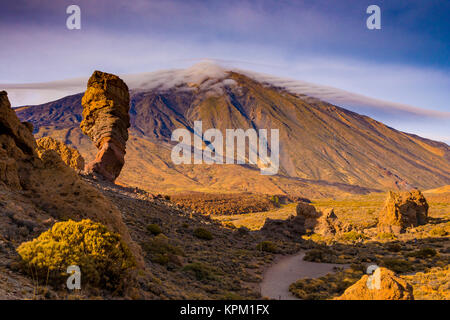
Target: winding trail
[[286, 270]]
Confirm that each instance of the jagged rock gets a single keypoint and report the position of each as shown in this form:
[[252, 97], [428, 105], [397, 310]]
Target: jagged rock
[[291, 227], [383, 284], [308, 219], [70, 156], [327, 223], [295, 225], [50, 189], [403, 210], [308, 213], [18, 145], [106, 104]]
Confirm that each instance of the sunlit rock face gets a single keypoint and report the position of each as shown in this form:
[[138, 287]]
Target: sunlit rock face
[[403, 210], [106, 104]]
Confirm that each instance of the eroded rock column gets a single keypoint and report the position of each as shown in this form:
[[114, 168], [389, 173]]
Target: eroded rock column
[[106, 120]]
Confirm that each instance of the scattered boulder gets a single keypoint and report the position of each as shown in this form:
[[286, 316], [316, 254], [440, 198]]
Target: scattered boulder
[[291, 227], [383, 284], [69, 156], [307, 218], [106, 120], [328, 224], [325, 223], [403, 210], [308, 213]]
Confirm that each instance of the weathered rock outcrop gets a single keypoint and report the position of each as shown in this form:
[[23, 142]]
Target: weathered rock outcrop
[[307, 219], [328, 224], [106, 104], [49, 189], [17, 151], [70, 156], [383, 284], [325, 223], [292, 227], [403, 210]]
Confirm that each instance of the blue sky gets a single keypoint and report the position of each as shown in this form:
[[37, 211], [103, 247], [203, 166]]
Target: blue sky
[[324, 42]]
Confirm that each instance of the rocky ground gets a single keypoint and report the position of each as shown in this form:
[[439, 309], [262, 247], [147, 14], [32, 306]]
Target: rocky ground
[[179, 263]]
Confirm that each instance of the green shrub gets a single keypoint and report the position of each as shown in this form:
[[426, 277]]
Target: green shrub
[[322, 254], [200, 270], [386, 236], [438, 231], [275, 200], [397, 265], [202, 233], [161, 259], [232, 296], [154, 229], [352, 236], [267, 246], [423, 253], [104, 259], [160, 245], [394, 247]]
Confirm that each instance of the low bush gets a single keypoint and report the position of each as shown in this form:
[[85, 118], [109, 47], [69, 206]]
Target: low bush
[[203, 233], [386, 236], [267, 246], [438, 231], [200, 270], [104, 259], [323, 254], [160, 245], [352, 236], [394, 247], [397, 265], [154, 229], [423, 253]]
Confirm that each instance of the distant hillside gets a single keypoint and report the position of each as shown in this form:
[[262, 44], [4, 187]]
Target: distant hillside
[[324, 149], [443, 189]]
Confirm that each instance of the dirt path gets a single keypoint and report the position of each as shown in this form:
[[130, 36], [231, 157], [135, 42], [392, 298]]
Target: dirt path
[[286, 270]]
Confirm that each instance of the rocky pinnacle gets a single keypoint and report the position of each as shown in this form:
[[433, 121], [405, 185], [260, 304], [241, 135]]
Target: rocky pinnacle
[[106, 104]]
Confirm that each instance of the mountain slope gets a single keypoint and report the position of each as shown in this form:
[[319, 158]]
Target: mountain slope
[[324, 149]]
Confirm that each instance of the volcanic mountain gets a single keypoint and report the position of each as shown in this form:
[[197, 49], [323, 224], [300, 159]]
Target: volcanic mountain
[[324, 149]]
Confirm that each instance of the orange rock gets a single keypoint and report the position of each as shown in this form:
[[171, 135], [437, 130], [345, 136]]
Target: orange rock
[[58, 192], [383, 284], [106, 120], [403, 210], [70, 156], [18, 145]]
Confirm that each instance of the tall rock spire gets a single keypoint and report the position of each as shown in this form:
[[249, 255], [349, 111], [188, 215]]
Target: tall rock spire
[[106, 104]]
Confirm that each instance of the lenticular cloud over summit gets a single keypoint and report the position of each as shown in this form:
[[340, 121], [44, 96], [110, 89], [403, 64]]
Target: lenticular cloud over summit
[[210, 76]]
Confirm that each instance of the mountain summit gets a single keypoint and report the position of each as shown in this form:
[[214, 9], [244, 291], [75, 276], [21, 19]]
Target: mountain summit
[[323, 148]]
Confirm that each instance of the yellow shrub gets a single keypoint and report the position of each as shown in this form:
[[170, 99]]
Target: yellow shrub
[[102, 256]]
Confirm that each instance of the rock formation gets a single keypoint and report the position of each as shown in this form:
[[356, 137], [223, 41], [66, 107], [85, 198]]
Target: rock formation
[[106, 103], [403, 210], [292, 227], [307, 219], [325, 223], [383, 284], [49, 189], [70, 156], [17, 151]]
